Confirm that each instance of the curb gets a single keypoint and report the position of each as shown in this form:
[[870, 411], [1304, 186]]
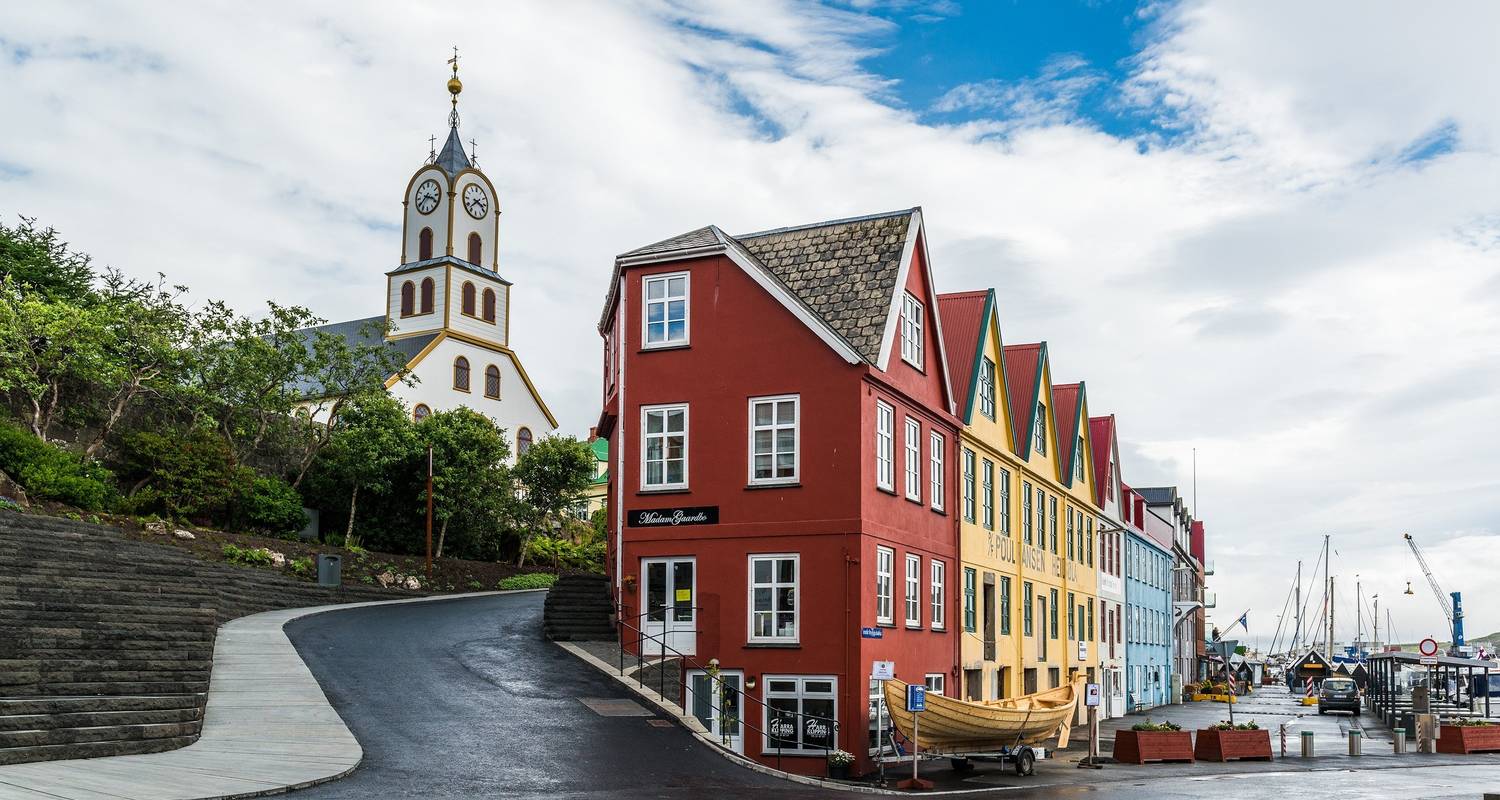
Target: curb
[[258, 681], [704, 737]]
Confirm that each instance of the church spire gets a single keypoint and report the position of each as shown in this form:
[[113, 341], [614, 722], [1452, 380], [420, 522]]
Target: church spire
[[453, 159]]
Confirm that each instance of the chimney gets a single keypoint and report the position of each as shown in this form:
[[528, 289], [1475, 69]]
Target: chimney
[[593, 433]]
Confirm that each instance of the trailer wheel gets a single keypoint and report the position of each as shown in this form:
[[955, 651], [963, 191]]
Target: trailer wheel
[[961, 764], [1025, 762]]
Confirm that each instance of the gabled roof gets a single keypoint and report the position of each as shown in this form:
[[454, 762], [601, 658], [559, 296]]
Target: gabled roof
[[840, 277], [1102, 435], [358, 332], [965, 315], [1066, 401], [1023, 382], [1158, 495]]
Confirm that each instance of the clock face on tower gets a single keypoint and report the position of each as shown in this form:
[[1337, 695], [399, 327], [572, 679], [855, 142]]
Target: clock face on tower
[[475, 201], [427, 196]]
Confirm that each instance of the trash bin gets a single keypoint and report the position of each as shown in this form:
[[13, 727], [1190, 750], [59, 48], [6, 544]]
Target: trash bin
[[1356, 742], [1307, 744], [1399, 740], [329, 567]]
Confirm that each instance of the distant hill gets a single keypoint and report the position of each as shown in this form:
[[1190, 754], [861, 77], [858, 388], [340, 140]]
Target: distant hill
[[1490, 642]]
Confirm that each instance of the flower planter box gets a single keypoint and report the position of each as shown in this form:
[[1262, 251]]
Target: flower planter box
[[1213, 698], [1216, 745], [1140, 747], [1469, 739]]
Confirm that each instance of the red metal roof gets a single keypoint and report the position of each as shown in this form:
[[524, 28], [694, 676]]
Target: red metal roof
[[1065, 399], [1102, 434], [1021, 364], [963, 330]]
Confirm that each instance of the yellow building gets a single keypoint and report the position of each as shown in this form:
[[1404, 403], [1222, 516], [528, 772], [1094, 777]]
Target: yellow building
[[1027, 536]]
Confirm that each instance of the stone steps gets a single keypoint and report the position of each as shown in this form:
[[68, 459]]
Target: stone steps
[[578, 609], [106, 642]]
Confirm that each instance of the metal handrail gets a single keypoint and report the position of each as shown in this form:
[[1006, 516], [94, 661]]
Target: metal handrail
[[642, 637]]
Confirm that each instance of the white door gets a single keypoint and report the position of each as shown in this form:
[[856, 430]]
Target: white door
[[718, 707], [671, 619]]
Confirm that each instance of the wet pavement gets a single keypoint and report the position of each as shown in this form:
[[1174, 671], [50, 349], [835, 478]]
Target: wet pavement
[[464, 699]]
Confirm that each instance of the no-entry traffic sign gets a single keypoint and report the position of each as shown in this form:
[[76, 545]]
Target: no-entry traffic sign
[[1428, 647]]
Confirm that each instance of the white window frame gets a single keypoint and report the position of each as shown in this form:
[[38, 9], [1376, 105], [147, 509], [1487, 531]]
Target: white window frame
[[937, 445], [687, 309], [987, 388], [665, 409], [1039, 430], [775, 585], [913, 581], [885, 585], [912, 315], [939, 572], [912, 445], [936, 682], [775, 427], [801, 695], [885, 445], [1004, 483]]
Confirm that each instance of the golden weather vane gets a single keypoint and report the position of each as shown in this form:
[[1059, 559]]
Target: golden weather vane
[[454, 87]]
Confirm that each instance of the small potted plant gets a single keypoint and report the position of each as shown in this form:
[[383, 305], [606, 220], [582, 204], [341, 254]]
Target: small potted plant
[[1226, 741], [839, 762], [1153, 741], [1468, 736]]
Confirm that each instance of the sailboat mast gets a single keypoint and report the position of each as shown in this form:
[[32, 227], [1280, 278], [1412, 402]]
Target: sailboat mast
[[1359, 616], [1330, 616], [1297, 610]]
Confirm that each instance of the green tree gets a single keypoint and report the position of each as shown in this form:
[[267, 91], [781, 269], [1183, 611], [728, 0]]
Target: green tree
[[49, 347], [552, 475], [38, 260], [374, 440], [146, 352], [471, 484]]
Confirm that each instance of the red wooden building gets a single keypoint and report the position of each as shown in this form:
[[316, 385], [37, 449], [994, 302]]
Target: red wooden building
[[782, 430]]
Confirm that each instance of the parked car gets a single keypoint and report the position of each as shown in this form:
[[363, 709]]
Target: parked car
[[1338, 694]]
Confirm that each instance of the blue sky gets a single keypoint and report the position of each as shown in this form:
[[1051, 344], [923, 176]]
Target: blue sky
[[934, 48]]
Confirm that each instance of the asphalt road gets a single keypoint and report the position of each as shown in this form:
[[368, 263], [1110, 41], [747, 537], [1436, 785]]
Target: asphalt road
[[464, 699]]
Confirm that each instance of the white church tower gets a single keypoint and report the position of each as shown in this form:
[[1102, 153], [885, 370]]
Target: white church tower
[[447, 304]]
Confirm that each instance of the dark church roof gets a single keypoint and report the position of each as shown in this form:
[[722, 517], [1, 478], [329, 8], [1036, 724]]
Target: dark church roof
[[355, 332], [453, 159]]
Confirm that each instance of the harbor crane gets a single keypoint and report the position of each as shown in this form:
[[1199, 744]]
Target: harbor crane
[[1455, 611]]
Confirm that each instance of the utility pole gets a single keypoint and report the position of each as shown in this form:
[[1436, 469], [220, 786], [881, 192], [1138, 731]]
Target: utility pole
[[1376, 622], [429, 513]]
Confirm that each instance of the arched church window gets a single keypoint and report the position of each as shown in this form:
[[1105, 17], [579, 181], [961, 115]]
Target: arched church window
[[468, 298], [427, 292], [489, 305], [523, 441], [492, 381], [420, 412], [461, 374], [476, 249], [424, 244], [408, 298]]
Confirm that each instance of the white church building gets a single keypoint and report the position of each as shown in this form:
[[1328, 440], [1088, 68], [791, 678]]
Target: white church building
[[447, 305]]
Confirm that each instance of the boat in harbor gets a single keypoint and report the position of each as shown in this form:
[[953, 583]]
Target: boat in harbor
[[950, 725]]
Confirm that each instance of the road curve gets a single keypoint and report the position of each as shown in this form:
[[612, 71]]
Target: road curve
[[464, 699]]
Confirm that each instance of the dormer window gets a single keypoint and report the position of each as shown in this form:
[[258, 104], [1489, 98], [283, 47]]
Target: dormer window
[[987, 388], [911, 330], [1078, 460], [666, 310], [1039, 430]]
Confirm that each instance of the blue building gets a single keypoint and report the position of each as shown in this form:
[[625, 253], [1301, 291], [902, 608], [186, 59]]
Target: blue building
[[1148, 605]]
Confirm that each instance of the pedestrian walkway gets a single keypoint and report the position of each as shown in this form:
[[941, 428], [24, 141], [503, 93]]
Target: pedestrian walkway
[[268, 728]]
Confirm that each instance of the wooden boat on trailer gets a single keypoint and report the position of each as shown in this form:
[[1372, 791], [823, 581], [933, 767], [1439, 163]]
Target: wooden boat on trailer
[[1006, 728]]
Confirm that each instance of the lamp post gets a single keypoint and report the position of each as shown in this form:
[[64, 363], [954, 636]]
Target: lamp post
[[429, 513]]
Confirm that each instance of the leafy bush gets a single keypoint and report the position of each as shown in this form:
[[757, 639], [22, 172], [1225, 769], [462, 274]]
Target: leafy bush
[[529, 580], [302, 567], [48, 472], [1468, 722], [561, 553], [248, 556], [1226, 725], [187, 476], [267, 504], [1148, 725]]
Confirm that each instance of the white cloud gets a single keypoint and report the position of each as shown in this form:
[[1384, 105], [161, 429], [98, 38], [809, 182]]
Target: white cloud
[[1279, 284]]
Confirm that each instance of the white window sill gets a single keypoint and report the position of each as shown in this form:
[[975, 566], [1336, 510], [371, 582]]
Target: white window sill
[[756, 484], [665, 346], [675, 487]]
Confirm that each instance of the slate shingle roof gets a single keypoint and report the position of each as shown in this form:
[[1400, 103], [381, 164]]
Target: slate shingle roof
[[453, 159], [845, 271], [365, 331], [1158, 495], [702, 237]]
